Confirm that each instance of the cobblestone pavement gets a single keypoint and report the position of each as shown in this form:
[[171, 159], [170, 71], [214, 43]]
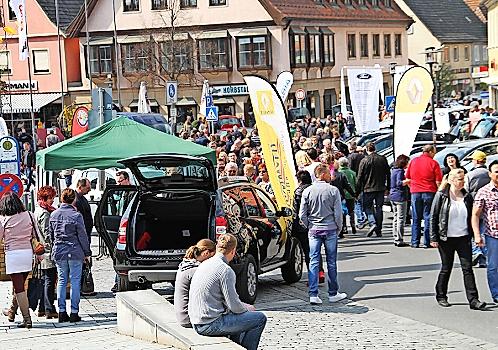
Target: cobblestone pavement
[[292, 322]]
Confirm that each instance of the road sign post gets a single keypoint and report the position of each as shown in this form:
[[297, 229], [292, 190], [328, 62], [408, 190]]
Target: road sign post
[[171, 99], [212, 116], [300, 96], [11, 183], [389, 103]]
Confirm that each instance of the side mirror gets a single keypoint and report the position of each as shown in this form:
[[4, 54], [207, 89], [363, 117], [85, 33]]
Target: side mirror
[[285, 212]]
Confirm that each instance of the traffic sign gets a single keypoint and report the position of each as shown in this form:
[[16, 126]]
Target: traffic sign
[[212, 114], [172, 112], [9, 156], [300, 94], [10, 183], [209, 100], [171, 92], [390, 102]]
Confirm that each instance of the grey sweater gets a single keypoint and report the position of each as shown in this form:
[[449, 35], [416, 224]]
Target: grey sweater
[[186, 271], [321, 207], [212, 292]]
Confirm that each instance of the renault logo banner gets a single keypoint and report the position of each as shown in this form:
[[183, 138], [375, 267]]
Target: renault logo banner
[[412, 98]]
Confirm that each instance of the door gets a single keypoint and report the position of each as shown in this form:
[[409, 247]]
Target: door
[[115, 200]]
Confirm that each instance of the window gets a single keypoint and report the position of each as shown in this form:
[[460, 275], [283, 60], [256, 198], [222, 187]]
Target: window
[[298, 49], [388, 3], [485, 53], [269, 208], [5, 66], [456, 53], [351, 45], [397, 45], [348, 3], [466, 53], [41, 62], [376, 45], [364, 45], [314, 46], [131, 5], [214, 54], [250, 202], [188, 3], [387, 45], [159, 4], [217, 2], [328, 49], [254, 52], [181, 61], [375, 3], [136, 57], [12, 14], [477, 51], [362, 3], [446, 54], [101, 59]]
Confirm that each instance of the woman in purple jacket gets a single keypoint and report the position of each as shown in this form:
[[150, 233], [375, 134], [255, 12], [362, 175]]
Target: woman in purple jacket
[[70, 248], [398, 195]]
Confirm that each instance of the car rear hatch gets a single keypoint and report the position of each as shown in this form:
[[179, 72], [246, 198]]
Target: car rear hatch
[[176, 207]]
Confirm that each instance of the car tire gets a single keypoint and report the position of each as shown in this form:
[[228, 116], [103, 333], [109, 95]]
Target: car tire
[[125, 285], [293, 270], [247, 280]]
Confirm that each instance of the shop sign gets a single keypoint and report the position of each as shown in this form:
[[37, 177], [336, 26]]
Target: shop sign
[[229, 90], [21, 85]]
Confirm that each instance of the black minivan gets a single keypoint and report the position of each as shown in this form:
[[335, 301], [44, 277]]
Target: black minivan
[[178, 201]]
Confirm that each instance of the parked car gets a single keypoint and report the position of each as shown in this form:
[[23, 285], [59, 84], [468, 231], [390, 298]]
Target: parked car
[[178, 201], [154, 120], [297, 113], [227, 122], [484, 128], [464, 150]]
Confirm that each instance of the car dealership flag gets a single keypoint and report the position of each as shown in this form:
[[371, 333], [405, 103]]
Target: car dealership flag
[[414, 93], [284, 84], [271, 121], [364, 85], [204, 94], [19, 8], [143, 100]]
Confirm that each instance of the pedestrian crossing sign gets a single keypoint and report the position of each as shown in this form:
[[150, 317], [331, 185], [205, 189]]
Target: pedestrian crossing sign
[[212, 114], [390, 102]]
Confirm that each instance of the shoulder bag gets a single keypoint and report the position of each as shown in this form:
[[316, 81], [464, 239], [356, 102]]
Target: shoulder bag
[[38, 247]]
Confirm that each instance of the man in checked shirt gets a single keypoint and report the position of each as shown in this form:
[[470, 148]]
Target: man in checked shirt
[[486, 207]]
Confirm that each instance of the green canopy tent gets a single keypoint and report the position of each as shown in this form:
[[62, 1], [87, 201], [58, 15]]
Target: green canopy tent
[[118, 139]]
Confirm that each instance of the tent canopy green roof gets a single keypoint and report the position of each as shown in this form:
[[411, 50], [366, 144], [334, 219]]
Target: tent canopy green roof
[[116, 140]]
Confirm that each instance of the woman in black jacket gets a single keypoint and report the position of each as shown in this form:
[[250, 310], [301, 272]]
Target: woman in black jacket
[[299, 230], [450, 232]]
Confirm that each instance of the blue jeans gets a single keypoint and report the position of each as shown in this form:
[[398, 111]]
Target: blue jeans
[[421, 209], [330, 243], [71, 269], [246, 327], [374, 212], [358, 211], [492, 244]]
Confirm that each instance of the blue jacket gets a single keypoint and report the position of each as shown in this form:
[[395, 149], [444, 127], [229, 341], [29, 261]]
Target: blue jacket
[[67, 231], [398, 192]]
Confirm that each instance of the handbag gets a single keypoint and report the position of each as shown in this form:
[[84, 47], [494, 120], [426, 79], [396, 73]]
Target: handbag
[[38, 247], [87, 285], [35, 286]]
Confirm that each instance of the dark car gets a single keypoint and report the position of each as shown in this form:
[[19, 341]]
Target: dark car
[[154, 120], [464, 150], [178, 201], [297, 113]]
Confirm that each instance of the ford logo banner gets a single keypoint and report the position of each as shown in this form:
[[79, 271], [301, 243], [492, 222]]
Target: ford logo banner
[[364, 76]]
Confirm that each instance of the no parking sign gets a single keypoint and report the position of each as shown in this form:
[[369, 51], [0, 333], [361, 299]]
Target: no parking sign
[[10, 183]]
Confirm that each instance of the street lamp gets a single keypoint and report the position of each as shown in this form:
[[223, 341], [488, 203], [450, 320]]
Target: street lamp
[[392, 71], [431, 60]]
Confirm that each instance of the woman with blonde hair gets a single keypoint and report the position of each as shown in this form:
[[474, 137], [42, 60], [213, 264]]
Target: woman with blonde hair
[[302, 159], [450, 228], [203, 250]]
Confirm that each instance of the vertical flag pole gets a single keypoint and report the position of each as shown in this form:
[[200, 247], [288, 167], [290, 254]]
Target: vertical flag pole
[[60, 53], [116, 52]]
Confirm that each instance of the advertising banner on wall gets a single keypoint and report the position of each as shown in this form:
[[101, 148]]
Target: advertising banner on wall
[[412, 98], [364, 84], [271, 120]]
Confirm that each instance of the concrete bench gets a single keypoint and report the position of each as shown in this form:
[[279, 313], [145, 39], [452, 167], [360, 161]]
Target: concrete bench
[[146, 315]]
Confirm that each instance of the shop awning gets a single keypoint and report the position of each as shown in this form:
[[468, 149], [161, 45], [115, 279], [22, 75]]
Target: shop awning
[[152, 102], [253, 32], [493, 80], [186, 101], [215, 34], [21, 103], [223, 100], [100, 41]]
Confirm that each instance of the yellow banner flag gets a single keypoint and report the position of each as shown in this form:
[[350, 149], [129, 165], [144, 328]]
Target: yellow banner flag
[[270, 118], [412, 98]]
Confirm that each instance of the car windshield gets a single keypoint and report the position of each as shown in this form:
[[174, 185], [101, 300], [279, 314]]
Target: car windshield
[[483, 128], [459, 152], [229, 121], [174, 170]]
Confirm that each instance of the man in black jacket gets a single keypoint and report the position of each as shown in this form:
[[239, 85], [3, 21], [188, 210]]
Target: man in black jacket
[[374, 178], [28, 164]]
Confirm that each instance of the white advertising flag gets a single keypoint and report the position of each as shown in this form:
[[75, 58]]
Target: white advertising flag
[[4, 131], [364, 85], [143, 101], [205, 89], [442, 120], [344, 109], [284, 84], [19, 8], [398, 73]]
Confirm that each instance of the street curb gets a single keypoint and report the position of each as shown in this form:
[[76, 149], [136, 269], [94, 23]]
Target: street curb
[[146, 315]]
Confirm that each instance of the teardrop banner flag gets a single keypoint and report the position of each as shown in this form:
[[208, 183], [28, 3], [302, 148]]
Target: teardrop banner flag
[[271, 121], [412, 97]]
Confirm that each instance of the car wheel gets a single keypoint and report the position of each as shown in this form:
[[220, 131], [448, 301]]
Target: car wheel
[[247, 281], [125, 285], [293, 270]]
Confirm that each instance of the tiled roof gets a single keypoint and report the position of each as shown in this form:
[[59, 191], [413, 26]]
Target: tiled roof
[[475, 5], [451, 21], [325, 10], [68, 11]]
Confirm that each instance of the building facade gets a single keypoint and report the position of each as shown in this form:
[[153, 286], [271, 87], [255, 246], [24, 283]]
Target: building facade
[[460, 34], [222, 40], [492, 81]]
